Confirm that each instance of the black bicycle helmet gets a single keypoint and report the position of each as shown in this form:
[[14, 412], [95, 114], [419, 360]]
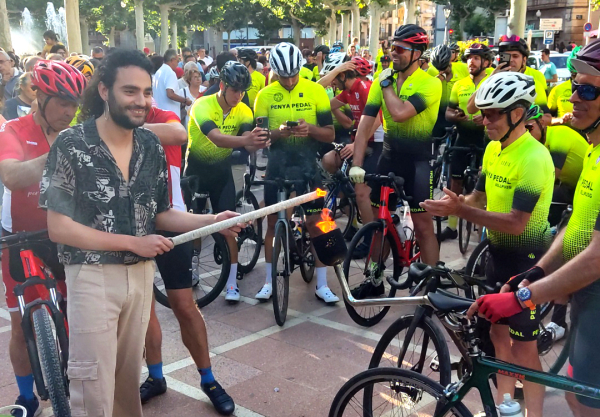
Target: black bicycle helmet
[[513, 43], [413, 35], [247, 54], [454, 47], [440, 57], [478, 49], [235, 75], [324, 49]]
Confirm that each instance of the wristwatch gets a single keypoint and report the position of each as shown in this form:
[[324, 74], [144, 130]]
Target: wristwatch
[[524, 296], [385, 83]]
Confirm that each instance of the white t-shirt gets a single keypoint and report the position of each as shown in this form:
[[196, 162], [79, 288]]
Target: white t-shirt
[[207, 60], [164, 79]]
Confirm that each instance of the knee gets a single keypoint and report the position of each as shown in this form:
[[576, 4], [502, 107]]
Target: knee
[[329, 162], [423, 224], [185, 311], [524, 352], [363, 192], [500, 339]]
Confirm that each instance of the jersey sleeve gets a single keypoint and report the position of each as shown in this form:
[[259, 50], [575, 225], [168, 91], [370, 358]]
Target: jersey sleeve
[[343, 97], [374, 100], [200, 115], [261, 105], [553, 102], [531, 181], [427, 95], [157, 115], [10, 145], [559, 149], [324, 117], [453, 100], [57, 188], [480, 186]]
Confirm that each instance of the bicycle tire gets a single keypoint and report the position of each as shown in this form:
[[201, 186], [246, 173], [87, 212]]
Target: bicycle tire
[[393, 379], [464, 234], [249, 240], [307, 258], [429, 330], [52, 369], [357, 315], [280, 274], [351, 206]]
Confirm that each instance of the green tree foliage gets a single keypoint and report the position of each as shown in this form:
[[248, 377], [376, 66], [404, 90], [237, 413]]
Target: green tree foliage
[[463, 10]]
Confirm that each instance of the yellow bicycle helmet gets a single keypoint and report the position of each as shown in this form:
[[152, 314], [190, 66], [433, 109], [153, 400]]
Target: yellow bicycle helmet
[[82, 64]]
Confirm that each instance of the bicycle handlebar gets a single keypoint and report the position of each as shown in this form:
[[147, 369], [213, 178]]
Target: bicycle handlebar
[[391, 179], [23, 237]]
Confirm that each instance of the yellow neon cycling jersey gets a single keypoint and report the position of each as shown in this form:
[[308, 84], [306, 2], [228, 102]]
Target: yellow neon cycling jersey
[[413, 136], [567, 148], [540, 86], [558, 99], [306, 101], [586, 206], [306, 73], [205, 115], [459, 99], [316, 76], [258, 83], [459, 70], [519, 177]]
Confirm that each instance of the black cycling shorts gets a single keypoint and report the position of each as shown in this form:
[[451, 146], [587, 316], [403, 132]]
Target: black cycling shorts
[[459, 160], [306, 171], [418, 179], [501, 266], [217, 181], [175, 266], [584, 360], [372, 157]]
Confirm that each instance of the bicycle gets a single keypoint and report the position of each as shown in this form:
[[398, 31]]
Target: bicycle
[[44, 323], [387, 237], [291, 247], [441, 161], [408, 389], [210, 258]]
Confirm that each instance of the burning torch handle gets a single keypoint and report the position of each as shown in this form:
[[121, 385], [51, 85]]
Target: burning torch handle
[[247, 217]]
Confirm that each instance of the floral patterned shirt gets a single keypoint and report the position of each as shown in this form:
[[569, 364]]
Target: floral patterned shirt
[[81, 180]]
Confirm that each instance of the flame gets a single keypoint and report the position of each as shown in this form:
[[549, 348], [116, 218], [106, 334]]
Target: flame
[[321, 193], [326, 224]]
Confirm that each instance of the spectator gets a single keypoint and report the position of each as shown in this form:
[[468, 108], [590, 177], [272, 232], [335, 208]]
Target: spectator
[[192, 90], [179, 73], [98, 53], [188, 67], [30, 63], [548, 68], [59, 49], [308, 57], [146, 51], [157, 61], [234, 51], [55, 57], [265, 63], [164, 85], [10, 76], [561, 47], [185, 54], [203, 57], [352, 51], [51, 39], [20, 105]]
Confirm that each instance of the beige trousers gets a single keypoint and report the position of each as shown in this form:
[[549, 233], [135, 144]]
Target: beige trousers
[[108, 311]]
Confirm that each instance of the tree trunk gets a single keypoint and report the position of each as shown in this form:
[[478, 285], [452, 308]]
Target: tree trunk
[[346, 29], [332, 28], [85, 37], [229, 40], [374, 27], [73, 29], [409, 12], [297, 31], [516, 19], [164, 27], [111, 37], [218, 42], [355, 21], [188, 36], [5, 39], [461, 27], [140, 33], [174, 42]]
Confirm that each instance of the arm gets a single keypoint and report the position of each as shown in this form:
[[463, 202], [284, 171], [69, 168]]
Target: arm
[[226, 141], [471, 107], [327, 79], [324, 134], [513, 223], [180, 221], [169, 133], [16, 174], [362, 138], [553, 259], [476, 199], [341, 117], [176, 97], [375, 126]]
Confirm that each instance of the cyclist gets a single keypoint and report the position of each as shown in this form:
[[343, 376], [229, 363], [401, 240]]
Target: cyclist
[[469, 126], [24, 146], [335, 63], [558, 99], [218, 124], [571, 266], [459, 68], [409, 100], [516, 184], [248, 58], [320, 53], [424, 60], [440, 60], [82, 64], [294, 149], [384, 63]]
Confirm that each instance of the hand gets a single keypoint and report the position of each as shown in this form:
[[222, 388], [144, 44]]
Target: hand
[[258, 138], [285, 131], [478, 120], [450, 205], [346, 66], [523, 279], [188, 102], [232, 231], [347, 152], [300, 131], [460, 116], [496, 306], [386, 74], [503, 67], [567, 117], [357, 175], [150, 246]]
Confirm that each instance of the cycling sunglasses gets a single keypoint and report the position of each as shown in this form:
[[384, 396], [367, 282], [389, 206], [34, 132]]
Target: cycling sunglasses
[[585, 92], [400, 49], [492, 117]]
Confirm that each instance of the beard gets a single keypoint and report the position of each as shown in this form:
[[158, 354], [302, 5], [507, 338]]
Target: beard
[[118, 113]]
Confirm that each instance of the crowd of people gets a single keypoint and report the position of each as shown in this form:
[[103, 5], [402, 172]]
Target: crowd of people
[[93, 148]]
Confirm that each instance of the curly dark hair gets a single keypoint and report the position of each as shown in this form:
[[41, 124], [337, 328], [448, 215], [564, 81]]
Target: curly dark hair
[[92, 104]]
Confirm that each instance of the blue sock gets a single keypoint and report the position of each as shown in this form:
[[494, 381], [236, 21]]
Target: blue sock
[[155, 371], [25, 384], [206, 375]]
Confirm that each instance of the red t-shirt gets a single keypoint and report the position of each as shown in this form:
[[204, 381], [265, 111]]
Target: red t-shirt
[[356, 98], [172, 154], [22, 139]]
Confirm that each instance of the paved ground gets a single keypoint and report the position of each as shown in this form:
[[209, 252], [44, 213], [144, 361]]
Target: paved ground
[[289, 371]]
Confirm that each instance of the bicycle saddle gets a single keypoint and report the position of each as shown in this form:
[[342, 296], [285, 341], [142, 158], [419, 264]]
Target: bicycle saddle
[[447, 303]]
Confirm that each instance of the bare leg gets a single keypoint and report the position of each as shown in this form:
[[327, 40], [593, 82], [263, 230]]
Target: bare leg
[[430, 250]]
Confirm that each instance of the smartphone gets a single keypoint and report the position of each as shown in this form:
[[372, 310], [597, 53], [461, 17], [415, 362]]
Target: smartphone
[[460, 112], [291, 124], [504, 57], [262, 122]]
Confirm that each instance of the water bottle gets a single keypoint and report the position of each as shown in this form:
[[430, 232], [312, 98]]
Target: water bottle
[[399, 223], [296, 227], [510, 408]]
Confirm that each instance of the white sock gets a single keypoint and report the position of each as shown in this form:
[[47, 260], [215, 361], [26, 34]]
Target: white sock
[[321, 276], [232, 280], [269, 271]]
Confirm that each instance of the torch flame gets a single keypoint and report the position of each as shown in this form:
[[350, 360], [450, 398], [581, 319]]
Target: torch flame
[[326, 224], [321, 193]]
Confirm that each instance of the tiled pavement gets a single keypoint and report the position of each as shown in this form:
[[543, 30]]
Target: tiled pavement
[[289, 371]]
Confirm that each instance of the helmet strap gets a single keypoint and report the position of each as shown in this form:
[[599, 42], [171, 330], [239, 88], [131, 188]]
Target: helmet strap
[[412, 61], [543, 139], [591, 127], [512, 126], [42, 109]]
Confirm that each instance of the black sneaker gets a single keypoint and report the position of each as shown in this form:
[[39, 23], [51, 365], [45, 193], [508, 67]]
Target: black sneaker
[[222, 402], [32, 406], [152, 388], [449, 234], [368, 290]]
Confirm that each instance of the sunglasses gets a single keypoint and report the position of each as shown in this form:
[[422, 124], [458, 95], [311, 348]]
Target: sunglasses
[[492, 117], [585, 92], [400, 49]]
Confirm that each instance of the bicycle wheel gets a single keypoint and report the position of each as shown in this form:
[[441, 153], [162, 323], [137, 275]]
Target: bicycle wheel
[[53, 370], [426, 354], [249, 240], [280, 273], [390, 392], [366, 276], [464, 234], [307, 258], [344, 213]]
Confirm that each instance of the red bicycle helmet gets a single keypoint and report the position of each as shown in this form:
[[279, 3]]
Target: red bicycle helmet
[[58, 79], [363, 67]]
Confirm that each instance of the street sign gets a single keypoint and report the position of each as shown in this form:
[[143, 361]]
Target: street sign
[[587, 27], [548, 37], [551, 24]]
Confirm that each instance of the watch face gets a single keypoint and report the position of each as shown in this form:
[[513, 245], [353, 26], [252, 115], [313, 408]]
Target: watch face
[[524, 294], [385, 83]]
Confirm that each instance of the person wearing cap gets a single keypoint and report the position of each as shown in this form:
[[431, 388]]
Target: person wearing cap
[[559, 102], [320, 55], [248, 57], [146, 51], [571, 267], [384, 63]]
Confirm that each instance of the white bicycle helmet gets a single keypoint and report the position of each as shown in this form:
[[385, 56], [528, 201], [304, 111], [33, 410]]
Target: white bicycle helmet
[[333, 61], [505, 89], [213, 73], [285, 60]]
